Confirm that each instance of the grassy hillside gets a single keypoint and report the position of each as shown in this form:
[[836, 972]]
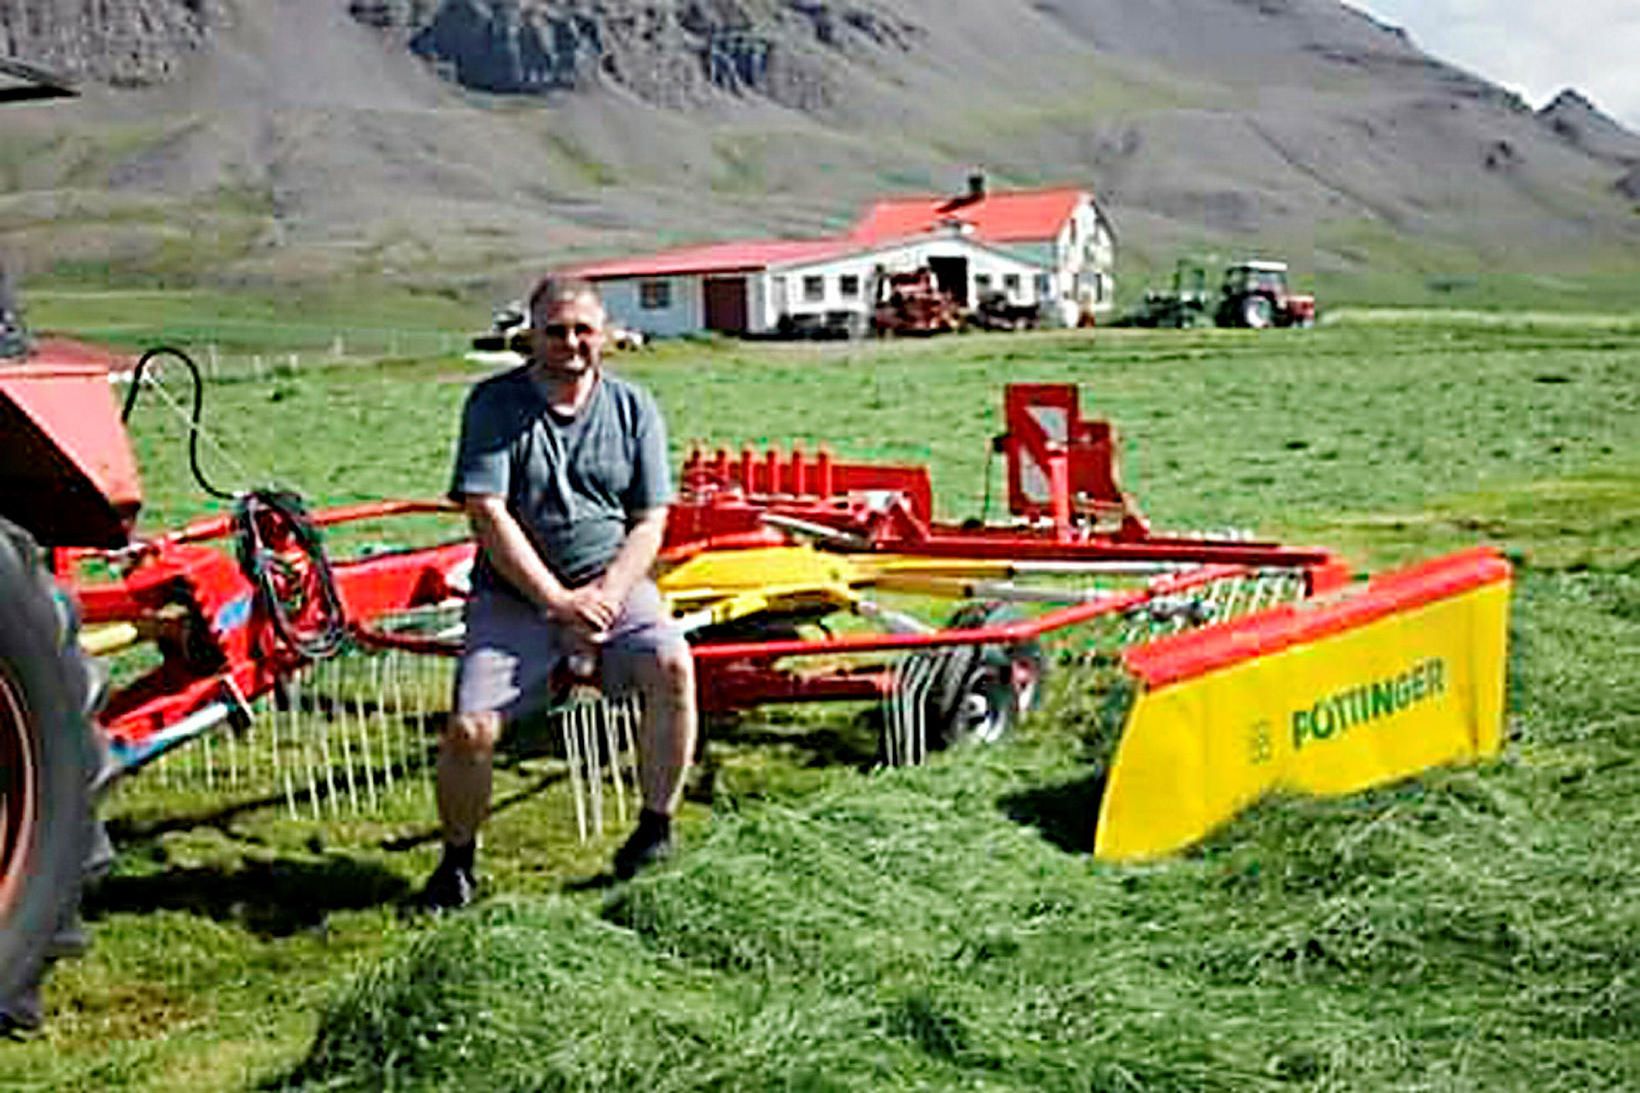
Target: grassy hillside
[[832, 927]]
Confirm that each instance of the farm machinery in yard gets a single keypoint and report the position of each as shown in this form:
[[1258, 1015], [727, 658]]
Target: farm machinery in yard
[[315, 684], [1253, 295]]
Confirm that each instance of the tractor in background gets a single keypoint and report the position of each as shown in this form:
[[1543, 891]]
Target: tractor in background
[[1252, 295], [1255, 295]]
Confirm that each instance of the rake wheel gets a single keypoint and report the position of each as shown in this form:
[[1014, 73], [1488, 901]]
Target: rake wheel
[[48, 762], [982, 691]]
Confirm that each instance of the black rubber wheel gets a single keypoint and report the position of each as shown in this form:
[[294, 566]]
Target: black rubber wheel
[[49, 761], [1257, 312], [983, 691]]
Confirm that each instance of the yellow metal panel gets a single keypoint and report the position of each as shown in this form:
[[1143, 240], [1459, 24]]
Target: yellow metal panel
[[1347, 711], [99, 641], [726, 572]]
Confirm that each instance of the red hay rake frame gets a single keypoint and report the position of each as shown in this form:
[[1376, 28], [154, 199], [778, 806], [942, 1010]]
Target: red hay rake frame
[[221, 652]]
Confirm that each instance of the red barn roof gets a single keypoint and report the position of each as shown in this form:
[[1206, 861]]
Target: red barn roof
[[739, 256], [1010, 216]]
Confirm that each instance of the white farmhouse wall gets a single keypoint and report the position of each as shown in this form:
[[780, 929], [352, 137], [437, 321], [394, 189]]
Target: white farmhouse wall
[[1085, 256], [989, 269]]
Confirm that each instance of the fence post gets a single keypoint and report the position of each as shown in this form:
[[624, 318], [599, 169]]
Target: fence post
[[337, 348], [213, 362]]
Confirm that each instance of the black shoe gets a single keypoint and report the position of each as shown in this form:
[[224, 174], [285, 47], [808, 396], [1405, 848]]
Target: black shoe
[[22, 1014], [650, 844], [453, 884]]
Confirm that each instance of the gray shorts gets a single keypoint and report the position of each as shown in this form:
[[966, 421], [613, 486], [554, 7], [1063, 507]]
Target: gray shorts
[[513, 650]]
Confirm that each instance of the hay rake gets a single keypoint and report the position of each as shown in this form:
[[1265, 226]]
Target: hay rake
[[803, 579]]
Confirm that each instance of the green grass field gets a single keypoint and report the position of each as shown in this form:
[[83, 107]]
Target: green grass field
[[829, 927]]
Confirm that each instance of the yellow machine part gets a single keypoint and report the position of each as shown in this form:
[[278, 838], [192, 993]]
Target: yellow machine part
[[1358, 708], [99, 641], [734, 584]]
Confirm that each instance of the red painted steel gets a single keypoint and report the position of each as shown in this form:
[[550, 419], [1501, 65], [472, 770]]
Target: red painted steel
[[1192, 654], [69, 475], [1008, 633]]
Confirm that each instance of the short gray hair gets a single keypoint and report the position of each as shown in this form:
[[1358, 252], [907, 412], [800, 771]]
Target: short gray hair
[[555, 288]]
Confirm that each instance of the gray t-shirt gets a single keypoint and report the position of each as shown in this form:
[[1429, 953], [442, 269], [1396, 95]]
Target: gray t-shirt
[[575, 484]]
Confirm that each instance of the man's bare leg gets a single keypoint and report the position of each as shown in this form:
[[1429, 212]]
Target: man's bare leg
[[666, 746], [466, 760]]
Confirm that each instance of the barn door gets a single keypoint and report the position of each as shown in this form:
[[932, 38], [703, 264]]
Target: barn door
[[952, 275], [726, 304]]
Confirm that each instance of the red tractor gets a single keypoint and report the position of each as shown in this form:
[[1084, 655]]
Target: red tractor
[[1255, 295]]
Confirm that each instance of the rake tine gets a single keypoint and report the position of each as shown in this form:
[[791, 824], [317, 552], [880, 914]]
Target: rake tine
[[232, 743], [376, 720], [916, 716], [573, 758], [361, 722], [923, 667], [206, 765], [891, 713], [395, 681], [595, 771], [919, 737], [338, 721], [281, 767], [332, 797], [631, 714], [304, 738], [607, 714]]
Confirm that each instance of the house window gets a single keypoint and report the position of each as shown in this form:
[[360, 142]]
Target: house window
[[654, 295], [1010, 283], [848, 286], [814, 288], [1044, 286], [982, 284]]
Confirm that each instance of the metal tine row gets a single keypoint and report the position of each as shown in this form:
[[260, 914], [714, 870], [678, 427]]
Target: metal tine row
[[344, 735], [905, 714], [600, 747]]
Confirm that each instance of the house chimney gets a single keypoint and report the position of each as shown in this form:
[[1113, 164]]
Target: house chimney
[[976, 185]]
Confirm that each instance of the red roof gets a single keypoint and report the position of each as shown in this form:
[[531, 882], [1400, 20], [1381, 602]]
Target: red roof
[[1009, 216], [740, 256]]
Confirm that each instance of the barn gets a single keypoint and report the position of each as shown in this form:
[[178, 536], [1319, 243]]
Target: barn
[[1052, 248]]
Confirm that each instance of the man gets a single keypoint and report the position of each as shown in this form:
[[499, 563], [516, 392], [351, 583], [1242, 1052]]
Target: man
[[562, 471]]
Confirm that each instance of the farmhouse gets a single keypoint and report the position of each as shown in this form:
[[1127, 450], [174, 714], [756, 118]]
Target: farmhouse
[[1052, 248]]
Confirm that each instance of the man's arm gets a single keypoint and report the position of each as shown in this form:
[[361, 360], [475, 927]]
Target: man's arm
[[500, 537], [636, 556], [510, 551]]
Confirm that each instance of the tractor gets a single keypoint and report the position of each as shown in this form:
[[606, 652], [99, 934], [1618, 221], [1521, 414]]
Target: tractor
[[52, 764], [1252, 295]]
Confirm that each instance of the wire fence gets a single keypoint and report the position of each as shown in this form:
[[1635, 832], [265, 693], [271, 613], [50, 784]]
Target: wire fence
[[247, 349]]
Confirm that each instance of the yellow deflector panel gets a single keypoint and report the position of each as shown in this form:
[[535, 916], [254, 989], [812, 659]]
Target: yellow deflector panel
[[1357, 708]]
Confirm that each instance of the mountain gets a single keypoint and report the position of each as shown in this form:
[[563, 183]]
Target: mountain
[[1580, 123], [480, 139]]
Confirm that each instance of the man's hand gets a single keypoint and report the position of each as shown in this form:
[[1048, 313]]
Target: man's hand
[[590, 609]]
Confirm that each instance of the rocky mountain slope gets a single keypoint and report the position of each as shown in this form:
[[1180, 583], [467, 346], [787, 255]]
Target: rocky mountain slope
[[433, 137]]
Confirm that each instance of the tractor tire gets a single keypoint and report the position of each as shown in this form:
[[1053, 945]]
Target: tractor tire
[[50, 764], [983, 691], [1257, 313]]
